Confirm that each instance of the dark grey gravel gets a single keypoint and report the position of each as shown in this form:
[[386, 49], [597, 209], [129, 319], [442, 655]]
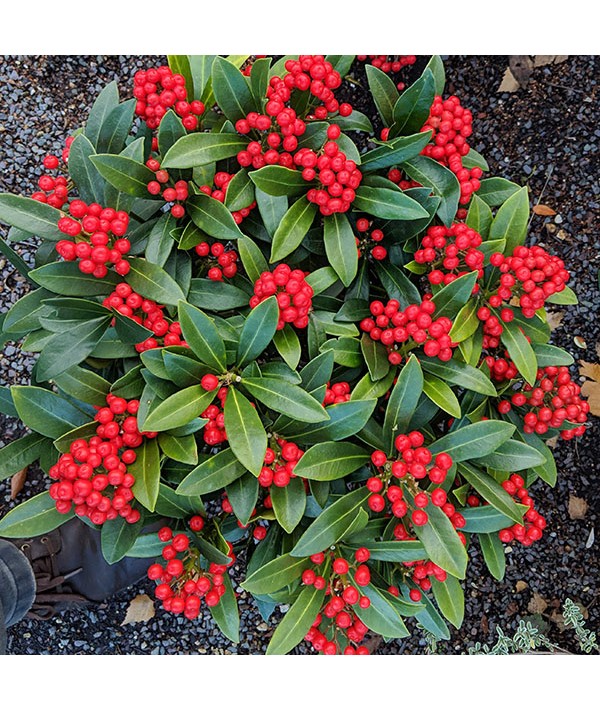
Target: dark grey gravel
[[544, 136]]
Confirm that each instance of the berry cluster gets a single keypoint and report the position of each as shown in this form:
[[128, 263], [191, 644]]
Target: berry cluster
[[157, 90], [415, 324], [492, 324], [52, 191], [390, 64], [501, 369], [369, 243], [553, 400], [219, 192], [93, 474], [337, 628], [310, 72], [148, 314], [182, 583], [338, 392], [421, 572], [451, 252], [338, 177], [533, 526], [214, 431], [223, 260], [99, 238], [294, 295], [277, 136], [531, 274], [176, 193], [279, 465]]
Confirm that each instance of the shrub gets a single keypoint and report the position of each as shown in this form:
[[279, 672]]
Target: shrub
[[261, 328]]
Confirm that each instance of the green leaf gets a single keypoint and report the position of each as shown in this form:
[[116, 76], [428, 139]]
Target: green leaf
[[258, 331], [332, 523], [473, 441], [357, 121], [297, 621], [170, 130], [376, 357], [495, 191], [397, 551], [403, 401], [181, 449], [202, 336], [276, 574], [317, 372], [340, 247], [214, 473], [547, 471], [271, 208], [115, 129], [197, 149], [106, 101], [46, 412], [442, 181], [331, 460], [33, 517], [442, 543], [436, 66], [486, 519], [183, 370], [288, 399], [117, 538], [493, 554], [170, 503], [491, 491], [479, 216], [513, 456], [345, 420], [565, 297], [212, 217], [31, 216], [384, 93], [231, 90], [225, 613], [465, 323], [216, 295], [129, 331], [520, 351], [153, 282], [388, 203], [383, 615], [245, 431], [450, 598], [279, 181], [25, 313], [160, 241], [289, 503], [441, 394], [252, 259], [461, 374], [178, 409], [243, 495], [451, 298], [65, 278], [366, 388], [288, 345], [411, 111], [19, 454], [293, 227], [125, 174], [146, 470], [90, 184], [240, 191], [511, 220]]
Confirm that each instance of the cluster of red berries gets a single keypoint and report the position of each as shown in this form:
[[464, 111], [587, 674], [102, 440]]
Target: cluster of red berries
[[534, 524], [390, 64], [223, 260], [369, 243], [147, 313], [176, 193], [214, 431], [501, 369], [98, 232], [337, 627], [221, 181], [451, 252], [421, 573], [294, 295], [552, 401], [278, 133], [338, 177], [530, 274], [157, 90], [394, 327], [93, 475], [493, 324], [52, 191], [338, 392], [310, 72], [279, 465], [182, 583]]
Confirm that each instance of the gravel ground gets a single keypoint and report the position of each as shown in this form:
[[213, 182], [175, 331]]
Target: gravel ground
[[544, 136]]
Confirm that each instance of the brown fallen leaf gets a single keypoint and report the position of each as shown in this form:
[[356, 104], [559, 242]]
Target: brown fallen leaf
[[591, 387], [554, 319], [521, 67], [537, 604], [17, 482], [543, 210], [141, 609], [508, 84], [577, 507], [521, 585], [542, 60]]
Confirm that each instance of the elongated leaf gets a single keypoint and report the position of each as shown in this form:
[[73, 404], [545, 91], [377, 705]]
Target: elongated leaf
[[491, 491], [496, 191], [106, 101], [473, 441], [297, 621], [243, 495], [383, 615], [288, 399], [31, 216], [19, 454], [118, 537], [441, 394], [442, 543], [276, 574], [450, 598], [216, 295], [331, 460], [279, 181], [125, 174], [397, 551], [146, 470], [33, 517], [397, 284], [465, 323], [212, 217], [160, 241], [46, 412], [332, 523], [493, 554], [258, 331], [412, 108], [460, 374], [366, 388], [288, 345], [513, 456], [246, 434], [225, 613], [289, 503], [487, 519], [479, 216], [511, 220], [202, 336], [388, 204], [403, 401], [25, 313], [153, 282], [178, 409], [213, 474], [520, 351], [293, 227], [271, 208], [181, 449], [66, 279], [170, 130], [345, 420], [436, 66], [231, 90], [85, 175], [442, 181], [115, 129], [197, 149], [384, 92], [394, 152], [375, 356], [252, 258], [449, 300], [340, 246]]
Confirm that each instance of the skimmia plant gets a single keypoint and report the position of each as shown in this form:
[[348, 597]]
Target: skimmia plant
[[264, 325]]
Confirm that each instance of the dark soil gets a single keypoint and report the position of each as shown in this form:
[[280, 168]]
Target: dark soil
[[544, 136]]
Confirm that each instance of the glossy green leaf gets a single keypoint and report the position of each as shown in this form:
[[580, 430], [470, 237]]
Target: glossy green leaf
[[33, 517], [202, 336], [327, 461], [473, 441], [279, 181], [288, 345], [83, 384], [297, 621], [178, 409], [397, 284], [216, 295], [382, 616], [376, 357], [212, 217], [450, 598], [436, 66], [496, 191], [289, 503], [66, 279], [247, 436], [276, 574], [452, 297], [345, 420], [197, 149], [441, 394], [293, 227], [340, 247], [288, 399], [258, 331], [442, 543], [491, 491], [384, 93], [31, 216], [106, 101], [153, 282], [461, 374], [20, 453], [479, 216], [231, 90], [146, 470], [46, 412], [252, 258], [442, 181], [125, 174], [520, 351], [388, 204], [243, 495], [170, 503], [117, 538], [271, 208], [487, 519], [511, 220], [115, 128], [493, 554], [90, 184], [397, 551], [225, 613], [411, 111], [513, 456], [465, 323], [181, 449], [214, 473], [403, 401]]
